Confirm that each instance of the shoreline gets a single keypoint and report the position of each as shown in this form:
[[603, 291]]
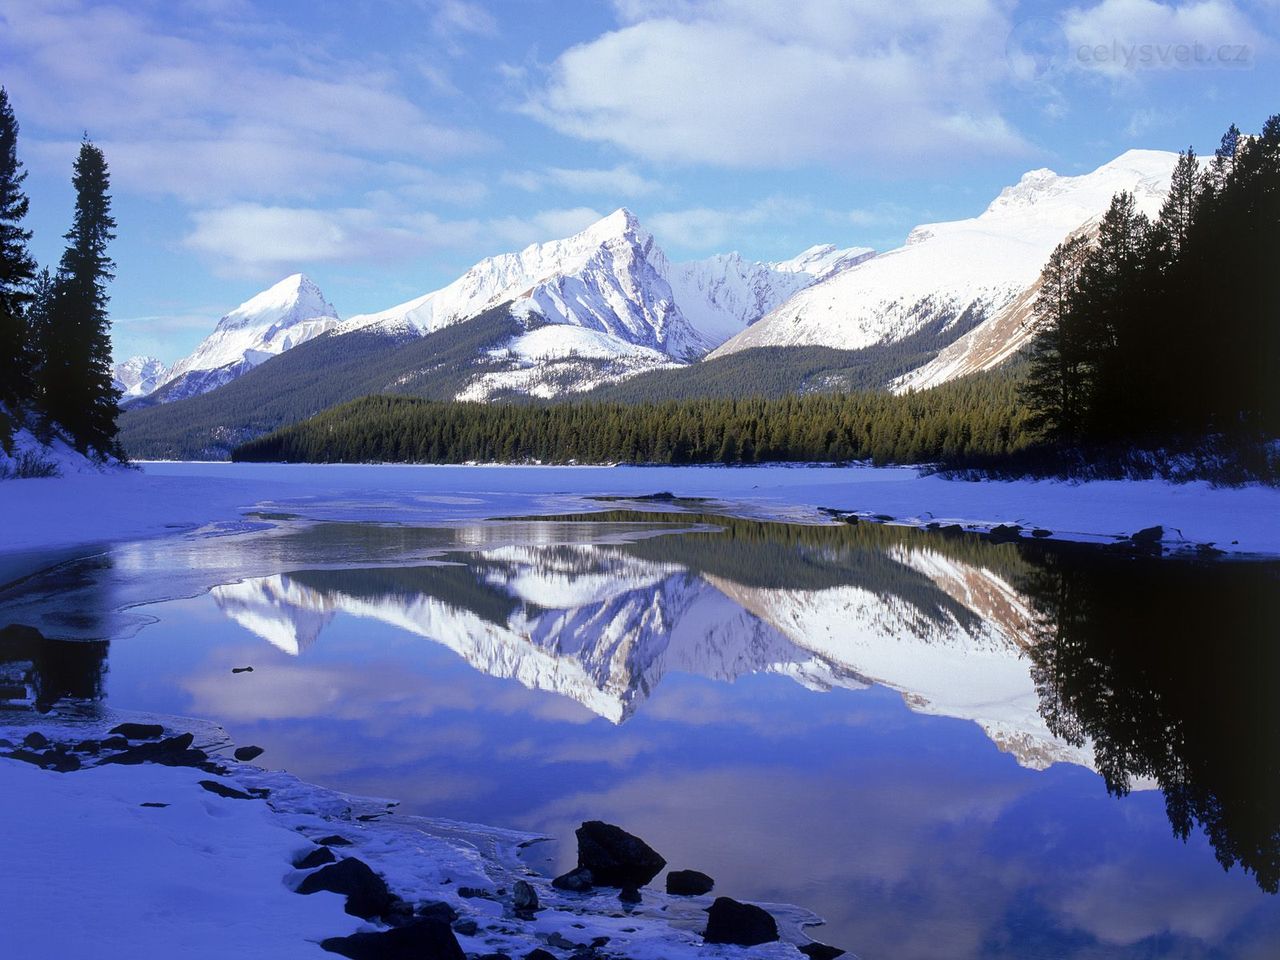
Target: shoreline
[[50, 516], [180, 835]]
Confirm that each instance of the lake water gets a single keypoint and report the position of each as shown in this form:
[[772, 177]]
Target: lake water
[[946, 747]]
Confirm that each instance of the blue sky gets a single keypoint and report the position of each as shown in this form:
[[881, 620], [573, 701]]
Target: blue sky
[[382, 147]]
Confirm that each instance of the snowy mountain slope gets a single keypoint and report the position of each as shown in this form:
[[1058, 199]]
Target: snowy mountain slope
[[277, 319], [609, 278], [969, 269], [634, 310], [723, 295], [139, 376]]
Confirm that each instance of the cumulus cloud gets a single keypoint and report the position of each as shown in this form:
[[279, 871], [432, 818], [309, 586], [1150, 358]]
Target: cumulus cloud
[[750, 83]]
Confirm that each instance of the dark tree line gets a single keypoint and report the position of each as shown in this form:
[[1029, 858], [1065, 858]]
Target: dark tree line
[[55, 344], [976, 416], [1157, 332]]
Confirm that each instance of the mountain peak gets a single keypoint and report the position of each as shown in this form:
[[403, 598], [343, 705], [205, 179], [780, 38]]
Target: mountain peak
[[621, 223], [294, 298]]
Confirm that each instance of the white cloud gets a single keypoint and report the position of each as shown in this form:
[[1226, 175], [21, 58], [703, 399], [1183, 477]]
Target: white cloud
[[205, 115], [1120, 38], [619, 181], [710, 228], [546, 225], [750, 83], [261, 242]]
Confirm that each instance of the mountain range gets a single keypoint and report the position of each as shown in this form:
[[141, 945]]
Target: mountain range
[[607, 307]]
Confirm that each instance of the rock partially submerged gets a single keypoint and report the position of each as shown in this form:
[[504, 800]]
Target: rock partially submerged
[[580, 880], [689, 883], [138, 731], [820, 951], [744, 924], [246, 753], [614, 857]]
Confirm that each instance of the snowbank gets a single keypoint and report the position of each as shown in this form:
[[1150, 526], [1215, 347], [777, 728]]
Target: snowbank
[[164, 498], [93, 873]]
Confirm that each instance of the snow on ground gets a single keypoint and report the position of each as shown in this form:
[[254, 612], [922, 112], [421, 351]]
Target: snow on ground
[[163, 498], [92, 873]]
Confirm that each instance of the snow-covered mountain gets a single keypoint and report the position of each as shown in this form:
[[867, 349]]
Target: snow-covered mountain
[[606, 303], [139, 376], [277, 319], [961, 272]]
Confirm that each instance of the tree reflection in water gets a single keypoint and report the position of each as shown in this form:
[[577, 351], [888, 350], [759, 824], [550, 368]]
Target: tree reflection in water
[[1171, 669]]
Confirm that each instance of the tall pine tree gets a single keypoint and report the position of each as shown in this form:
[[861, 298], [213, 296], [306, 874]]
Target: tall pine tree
[[17, 270], [76, 378], [1052, 388]]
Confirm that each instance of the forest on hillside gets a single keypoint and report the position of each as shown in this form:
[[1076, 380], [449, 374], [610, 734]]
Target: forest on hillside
[[976, 416]]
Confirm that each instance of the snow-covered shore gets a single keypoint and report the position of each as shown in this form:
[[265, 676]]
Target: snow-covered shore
[[164, 498], [152, 864]]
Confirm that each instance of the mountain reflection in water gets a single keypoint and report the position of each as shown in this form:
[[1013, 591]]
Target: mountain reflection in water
[[1153, 672]]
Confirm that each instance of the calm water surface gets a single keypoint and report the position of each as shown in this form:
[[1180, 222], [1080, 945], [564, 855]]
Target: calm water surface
[[946, 747]]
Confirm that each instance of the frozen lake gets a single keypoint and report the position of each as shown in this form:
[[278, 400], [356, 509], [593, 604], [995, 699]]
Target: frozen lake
[[945, 746]]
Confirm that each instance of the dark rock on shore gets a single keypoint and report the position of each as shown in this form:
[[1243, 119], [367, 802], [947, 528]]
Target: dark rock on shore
[[242, 669], [689, 883], [1040, 533], [57, 760], [629, 895], [1005, 533], [1148, 536], [525, 898], [334, 841], [222, 790], [139, 731], [580, 880], [744, 924], [466, 926], [422, 940], [153, 803], [247, 753], [316, 858], [614, 857], [173, 752], [820, 951], [366, 892], [539, 954], [35, 740], [437, 910]]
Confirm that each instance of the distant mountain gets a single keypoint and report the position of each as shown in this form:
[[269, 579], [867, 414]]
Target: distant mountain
[[633, 309], [606, 311], [277, 319], [139, 376], [962, 274]]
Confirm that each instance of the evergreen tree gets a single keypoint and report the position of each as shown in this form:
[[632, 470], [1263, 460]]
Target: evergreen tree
[[1178, 210], [1052, 388], [78, 388], [17, 269]]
